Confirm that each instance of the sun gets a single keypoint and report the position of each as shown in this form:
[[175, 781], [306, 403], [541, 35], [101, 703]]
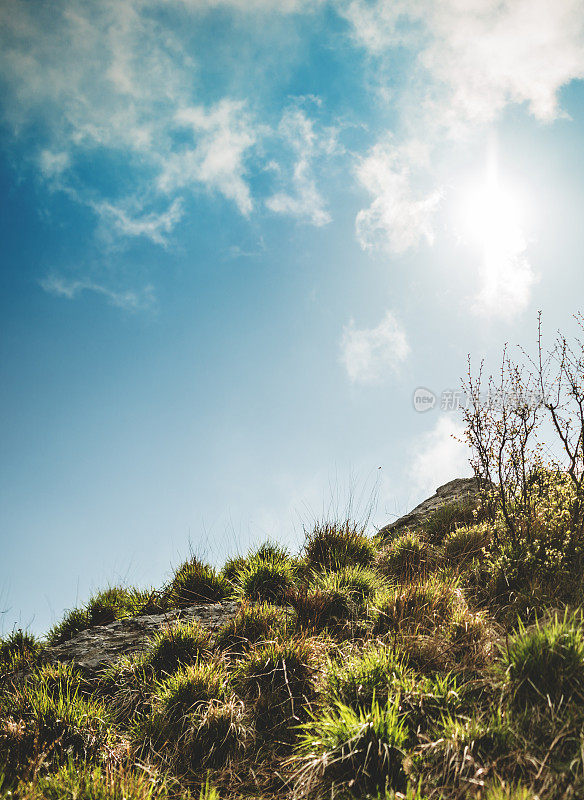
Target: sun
[[491, 214], [491, 222]]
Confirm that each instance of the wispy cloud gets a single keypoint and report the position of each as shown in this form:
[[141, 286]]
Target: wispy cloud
[[127, 299], [124, 221], [370, 354], [299, 133], [255, 6], [439, 455], [106, 77], [399, 217], [223, 134], [52, 164], [118, 82]]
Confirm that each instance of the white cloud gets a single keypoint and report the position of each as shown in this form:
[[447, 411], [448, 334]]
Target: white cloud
[[480, 55], [399, 218], [305, 201], [369, 354], [255, 6], [469, 60], [439, 456], [223, 135], [93, 73], [126, 222], [127, 299], [52, 165], [110, 78]]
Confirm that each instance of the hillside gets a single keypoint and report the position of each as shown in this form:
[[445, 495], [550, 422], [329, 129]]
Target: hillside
[[436, 658]]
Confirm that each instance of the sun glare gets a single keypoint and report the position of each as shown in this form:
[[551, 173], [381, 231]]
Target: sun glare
[[491, 221], [491, 213]]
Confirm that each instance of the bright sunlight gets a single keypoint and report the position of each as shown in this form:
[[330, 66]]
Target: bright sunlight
[[491, 219]]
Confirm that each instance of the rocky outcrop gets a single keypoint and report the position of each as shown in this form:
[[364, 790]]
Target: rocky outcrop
[[463, 491], [103, 644]]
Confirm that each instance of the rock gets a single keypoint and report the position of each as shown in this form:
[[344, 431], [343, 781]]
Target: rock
[[101, 645], [459, 490]]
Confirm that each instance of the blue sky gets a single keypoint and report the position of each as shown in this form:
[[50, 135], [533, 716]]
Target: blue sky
[[237, 236]]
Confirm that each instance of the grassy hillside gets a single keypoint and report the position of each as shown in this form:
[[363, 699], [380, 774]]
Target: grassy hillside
[[447, 662]]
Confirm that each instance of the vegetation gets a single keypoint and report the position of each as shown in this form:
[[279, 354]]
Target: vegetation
[[176, 646], [446, 661], [252, 624], [104, 607], [334, 545], [195, 582]]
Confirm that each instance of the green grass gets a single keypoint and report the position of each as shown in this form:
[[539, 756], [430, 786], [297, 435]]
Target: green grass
[[219, 734], [177, 646], [546, 662], [419, 606], [104, 607], [271, 552], [232, 567], [85, 782], [357, 678], [466, 543], [341, 544], [277, 679], [252, 624], [265, 580], [405, 557], [446, 518], [19, 650], [463, 745], [356, 752], [183, 692], [368, 676], [196, 583], [334, 598], [47, 720]]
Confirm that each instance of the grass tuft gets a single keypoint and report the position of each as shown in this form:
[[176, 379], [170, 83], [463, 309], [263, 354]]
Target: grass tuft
[[177, 646], [546, 662], [195, 583], [333, 545], [422, 606], [184, 691], [357, 678], [19, 650], [251, 625], [335, 598], [46, 721], [404, 558], [464, 544], [446, 518], [105, 607], [352, 752], [277, 678], [265, 580]]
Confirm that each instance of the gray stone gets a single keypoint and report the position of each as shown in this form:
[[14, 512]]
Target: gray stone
[[459, 490], [102, 645]]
